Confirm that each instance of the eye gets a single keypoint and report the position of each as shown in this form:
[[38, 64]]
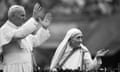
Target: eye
[[22, 15], [78, 37]]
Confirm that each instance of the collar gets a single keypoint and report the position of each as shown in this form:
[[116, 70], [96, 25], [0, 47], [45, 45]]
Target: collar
[[9, 23]]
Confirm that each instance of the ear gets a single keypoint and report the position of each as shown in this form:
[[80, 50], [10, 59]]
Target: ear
[[12, 16]]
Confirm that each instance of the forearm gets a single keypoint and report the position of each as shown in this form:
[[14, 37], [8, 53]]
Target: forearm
[[40, 37], [95, 64], [26, 29], [91, 64]]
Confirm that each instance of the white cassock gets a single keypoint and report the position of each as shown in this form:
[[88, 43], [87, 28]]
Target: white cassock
[[17, 53], [76, 59]]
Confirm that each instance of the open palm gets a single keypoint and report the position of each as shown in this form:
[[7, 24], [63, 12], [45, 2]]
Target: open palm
[[46, 21], [102, 52]]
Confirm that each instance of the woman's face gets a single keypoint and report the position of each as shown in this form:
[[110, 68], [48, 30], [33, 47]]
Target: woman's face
[[76, 40]]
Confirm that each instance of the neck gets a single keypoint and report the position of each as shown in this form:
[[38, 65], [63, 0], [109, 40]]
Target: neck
[[15, 22], [11, 24], [75, 47]]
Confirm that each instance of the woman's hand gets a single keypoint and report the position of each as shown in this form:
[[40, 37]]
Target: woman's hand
[[101, 53]]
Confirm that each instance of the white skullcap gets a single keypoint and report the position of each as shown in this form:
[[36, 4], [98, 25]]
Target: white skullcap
[[14, 8]]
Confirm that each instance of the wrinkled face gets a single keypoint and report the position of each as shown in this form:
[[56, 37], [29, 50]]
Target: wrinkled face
[[20, 17], [76, 40]]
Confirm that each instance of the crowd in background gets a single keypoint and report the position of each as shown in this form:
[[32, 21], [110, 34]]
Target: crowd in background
[[89, 7]]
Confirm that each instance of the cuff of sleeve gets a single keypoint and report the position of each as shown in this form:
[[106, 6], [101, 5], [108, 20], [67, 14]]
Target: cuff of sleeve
[[99, 61], [32, 20], [30, 25], [44, 30]]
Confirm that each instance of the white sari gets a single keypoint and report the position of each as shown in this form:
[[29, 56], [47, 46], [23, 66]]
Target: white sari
[[75, 60]]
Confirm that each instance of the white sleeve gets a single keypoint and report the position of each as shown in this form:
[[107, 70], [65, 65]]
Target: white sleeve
[[40, 37], [26, 29], [91, 64]]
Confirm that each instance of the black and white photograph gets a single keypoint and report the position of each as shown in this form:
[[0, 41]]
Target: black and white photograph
[[59, 35]]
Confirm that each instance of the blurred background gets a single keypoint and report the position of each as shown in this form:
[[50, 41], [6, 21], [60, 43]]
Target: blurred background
[[99, 20]]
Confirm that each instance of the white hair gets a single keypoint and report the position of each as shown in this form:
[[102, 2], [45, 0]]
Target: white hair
[[14, 8]]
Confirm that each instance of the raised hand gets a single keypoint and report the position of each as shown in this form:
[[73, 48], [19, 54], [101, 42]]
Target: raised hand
[[38, 11], [46, 21], [102, 52]]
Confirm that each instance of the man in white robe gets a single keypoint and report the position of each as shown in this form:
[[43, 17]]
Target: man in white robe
[[71, 54], [17, 40]]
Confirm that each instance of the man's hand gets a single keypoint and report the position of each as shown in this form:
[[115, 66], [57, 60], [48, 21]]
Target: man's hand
[[38, 11], [46, 21], [101, 52]]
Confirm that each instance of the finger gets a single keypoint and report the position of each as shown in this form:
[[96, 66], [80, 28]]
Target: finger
[[39, 8], [40, 19], [107, 51], [103, 49], [100, 49], [36, 6], [48, 17]]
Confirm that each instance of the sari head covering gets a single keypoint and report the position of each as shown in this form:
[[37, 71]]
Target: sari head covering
[[63, 47]]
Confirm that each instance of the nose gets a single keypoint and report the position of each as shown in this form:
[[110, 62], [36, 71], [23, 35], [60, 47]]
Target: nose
[[81, 40], [24, 17]]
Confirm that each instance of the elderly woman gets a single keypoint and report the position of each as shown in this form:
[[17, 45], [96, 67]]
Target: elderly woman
[[72, 54]]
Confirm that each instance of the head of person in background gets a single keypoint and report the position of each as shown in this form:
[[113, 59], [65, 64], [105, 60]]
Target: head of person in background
[[17, 14]]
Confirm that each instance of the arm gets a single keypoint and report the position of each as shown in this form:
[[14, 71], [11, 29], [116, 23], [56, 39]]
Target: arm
[[90, 63], [43, 33], [26, 29], [96, 63], [40, 37]]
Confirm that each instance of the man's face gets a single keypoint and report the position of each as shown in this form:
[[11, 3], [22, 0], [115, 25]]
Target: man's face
[[20, 17], [76, 40]]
